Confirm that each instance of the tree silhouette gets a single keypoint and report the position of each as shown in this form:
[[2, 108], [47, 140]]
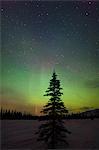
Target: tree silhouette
[[53, 132], [13, 115]]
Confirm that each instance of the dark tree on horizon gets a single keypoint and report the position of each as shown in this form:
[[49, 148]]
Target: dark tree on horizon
[[53, 131], [15, 115]]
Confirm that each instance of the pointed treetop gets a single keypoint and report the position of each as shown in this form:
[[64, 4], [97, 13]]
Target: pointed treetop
[[54, 73]]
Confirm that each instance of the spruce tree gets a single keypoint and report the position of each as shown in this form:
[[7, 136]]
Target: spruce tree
[[53, 131]]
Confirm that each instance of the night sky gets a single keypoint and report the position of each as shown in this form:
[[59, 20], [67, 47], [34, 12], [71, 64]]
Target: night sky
[[38, 37]]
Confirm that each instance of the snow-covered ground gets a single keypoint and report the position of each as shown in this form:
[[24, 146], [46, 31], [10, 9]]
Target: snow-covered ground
[[20, 134]]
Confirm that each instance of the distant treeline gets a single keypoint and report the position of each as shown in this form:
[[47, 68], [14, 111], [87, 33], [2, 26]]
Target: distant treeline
[[13, 114], [82, 116], [91, 114], [73, 116]]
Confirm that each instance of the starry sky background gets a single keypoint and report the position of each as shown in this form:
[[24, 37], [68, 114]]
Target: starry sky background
[[39, 36]]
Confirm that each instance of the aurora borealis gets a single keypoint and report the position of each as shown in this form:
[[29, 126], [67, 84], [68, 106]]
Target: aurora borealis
[[39, 36]]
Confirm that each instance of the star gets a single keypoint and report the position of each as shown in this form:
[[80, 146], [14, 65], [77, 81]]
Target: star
[[31, 48], [97, 42], [39, 15], [56, 55], [33, 39], [47, 14], [2, 9], [40, 37], [76, 7], [86, 13], [85, 25], [89, 2], [37, 5], [24, 24], [26, 4], [56, 7], [8, 71], [73, 52]]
